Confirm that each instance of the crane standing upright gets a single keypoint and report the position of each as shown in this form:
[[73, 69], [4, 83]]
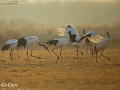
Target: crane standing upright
[[102, 45]]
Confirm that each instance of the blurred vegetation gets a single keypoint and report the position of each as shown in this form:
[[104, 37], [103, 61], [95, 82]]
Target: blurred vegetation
[[16, 28]]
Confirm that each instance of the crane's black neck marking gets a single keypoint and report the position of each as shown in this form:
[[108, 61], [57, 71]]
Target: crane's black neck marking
[[5, 47], [83, 31], [84, 37], [52, 42], [72, 37], [87, 40], [108, 34], [88, 35], [22, 42]]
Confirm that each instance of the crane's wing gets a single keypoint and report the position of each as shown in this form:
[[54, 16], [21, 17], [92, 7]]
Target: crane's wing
[[95, 38], [92, 36], [12, 41], [62, 31]]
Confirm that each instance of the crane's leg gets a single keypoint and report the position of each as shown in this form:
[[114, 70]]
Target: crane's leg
[[96, 56], [77, 53], [31, 53], [61, 53], [91, 51], [28, 55], [104, 56], [55, 54], [18, 53], [87, 51], [96, 52], [11, 53]]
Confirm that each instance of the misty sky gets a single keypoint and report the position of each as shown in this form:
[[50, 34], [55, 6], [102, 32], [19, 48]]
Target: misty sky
[[63, 12]]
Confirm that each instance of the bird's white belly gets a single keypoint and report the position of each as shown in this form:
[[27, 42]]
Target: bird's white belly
[[101, 46], [30, 45], [13, 46]]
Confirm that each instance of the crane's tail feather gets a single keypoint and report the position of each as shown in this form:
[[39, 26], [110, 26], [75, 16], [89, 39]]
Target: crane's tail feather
[[62, 31], [44, 47]]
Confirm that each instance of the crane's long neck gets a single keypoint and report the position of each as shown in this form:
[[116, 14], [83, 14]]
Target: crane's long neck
[[109, 37]]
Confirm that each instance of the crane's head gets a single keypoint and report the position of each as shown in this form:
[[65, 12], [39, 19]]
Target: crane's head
[[84, 30], [69, 26], [108, 34], [5, 47]]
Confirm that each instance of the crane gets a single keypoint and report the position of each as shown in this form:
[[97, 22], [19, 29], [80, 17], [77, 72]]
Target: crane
[[58, 43], [102, 45], [89, 44], [10, 45], [29, 42], [74, 37]]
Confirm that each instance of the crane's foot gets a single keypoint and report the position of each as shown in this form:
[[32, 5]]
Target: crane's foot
[[11, 59], [39, 57], [108, 59], [18, 56], [96, 61], [58, 58], [81, 53]]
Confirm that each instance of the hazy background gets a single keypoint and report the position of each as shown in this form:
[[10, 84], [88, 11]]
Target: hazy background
[[63, 12], [42, 17]]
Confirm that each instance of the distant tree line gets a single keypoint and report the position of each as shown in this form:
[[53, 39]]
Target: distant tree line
[[16, 28]]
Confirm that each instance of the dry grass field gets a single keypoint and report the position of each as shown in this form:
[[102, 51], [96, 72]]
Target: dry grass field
[[70, 74]]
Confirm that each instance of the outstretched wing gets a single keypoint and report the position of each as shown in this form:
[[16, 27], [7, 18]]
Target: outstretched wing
[[92, 36], [62, 31], [95, 38]]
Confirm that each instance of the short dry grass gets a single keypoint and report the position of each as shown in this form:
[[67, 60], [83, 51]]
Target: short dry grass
[[70, 74]]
